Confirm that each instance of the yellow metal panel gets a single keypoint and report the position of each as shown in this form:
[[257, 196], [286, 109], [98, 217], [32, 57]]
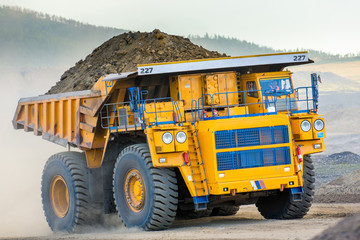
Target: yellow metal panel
[[307, 147], [174, 88], [315, 132], [246, 186], [221, 83], [236, 111], [94, 157], [160, 146], [173, 159], [228, 83], [181, 147], [69, 120], [190, 88], [298, 133], [61, 119]]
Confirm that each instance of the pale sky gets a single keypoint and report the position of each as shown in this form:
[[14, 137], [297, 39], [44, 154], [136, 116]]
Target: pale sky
[[327, 25]]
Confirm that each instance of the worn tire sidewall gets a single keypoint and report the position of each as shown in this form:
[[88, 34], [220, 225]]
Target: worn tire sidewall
[[128, 161], [58, 167]]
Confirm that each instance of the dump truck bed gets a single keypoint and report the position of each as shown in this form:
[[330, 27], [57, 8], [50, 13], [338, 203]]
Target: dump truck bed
[[63, 118]]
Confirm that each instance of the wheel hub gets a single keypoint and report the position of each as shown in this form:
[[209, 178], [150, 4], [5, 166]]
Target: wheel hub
[[134, 190], [59, 196]]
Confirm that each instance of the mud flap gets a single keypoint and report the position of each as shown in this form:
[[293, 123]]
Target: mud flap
[[200, 203], [296, 194]]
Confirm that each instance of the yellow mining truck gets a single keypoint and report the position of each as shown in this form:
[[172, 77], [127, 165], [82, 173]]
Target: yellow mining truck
[[193, 138]]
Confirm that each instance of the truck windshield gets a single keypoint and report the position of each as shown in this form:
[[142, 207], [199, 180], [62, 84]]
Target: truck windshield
[[280, 86]]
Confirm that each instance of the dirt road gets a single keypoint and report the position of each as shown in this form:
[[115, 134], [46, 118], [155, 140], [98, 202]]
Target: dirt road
[[246, 224]]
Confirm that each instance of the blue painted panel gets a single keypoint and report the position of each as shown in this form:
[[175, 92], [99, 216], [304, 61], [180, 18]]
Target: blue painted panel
[[253, 158], [251, 137]]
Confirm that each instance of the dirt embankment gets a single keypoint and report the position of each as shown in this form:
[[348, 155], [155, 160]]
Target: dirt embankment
[[124, 52], [347, 229], [338, 178]]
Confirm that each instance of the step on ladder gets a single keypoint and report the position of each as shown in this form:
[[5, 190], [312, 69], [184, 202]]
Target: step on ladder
[[198, 171]]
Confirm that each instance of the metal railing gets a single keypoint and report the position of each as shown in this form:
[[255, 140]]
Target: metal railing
[[198, 108], [116, 116], [271, 103], [175, 111], [305, 100]]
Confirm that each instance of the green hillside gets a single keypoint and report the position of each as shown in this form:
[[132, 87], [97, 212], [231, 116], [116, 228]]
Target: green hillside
[[29, 38]]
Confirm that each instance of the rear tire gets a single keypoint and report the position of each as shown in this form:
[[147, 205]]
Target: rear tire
[[64, 192], [225, 211], [282, 206], [145, 196], [191, 214]]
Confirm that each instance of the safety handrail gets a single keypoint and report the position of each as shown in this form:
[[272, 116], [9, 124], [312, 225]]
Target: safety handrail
[[193, 111], [265, 103], [306, 97], [110, 117], [175, 109], [178, 113]]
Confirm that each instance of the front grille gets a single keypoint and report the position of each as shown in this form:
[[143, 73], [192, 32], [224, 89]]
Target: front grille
[[253, 158], [251, 137]]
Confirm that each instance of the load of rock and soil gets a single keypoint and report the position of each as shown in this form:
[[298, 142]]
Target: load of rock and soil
[[338, 178], [124, 52]]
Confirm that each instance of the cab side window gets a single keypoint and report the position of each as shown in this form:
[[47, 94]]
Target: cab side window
[[251, 87]]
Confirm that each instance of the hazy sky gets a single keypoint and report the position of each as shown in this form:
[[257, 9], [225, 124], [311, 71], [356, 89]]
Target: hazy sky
[[328, 25]]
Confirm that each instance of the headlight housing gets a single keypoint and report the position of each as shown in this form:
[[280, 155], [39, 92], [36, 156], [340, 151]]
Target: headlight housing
[[181, 137], [167, 137], [305, 125], [319, 124]]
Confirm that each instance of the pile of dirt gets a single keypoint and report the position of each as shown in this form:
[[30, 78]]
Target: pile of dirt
[[330, 167], [347, 229], [343, 189], [124, 52]]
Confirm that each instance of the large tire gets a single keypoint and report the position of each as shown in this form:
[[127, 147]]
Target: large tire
[[192, 214], [64, 192], [283, 206], [225, 211], [145, 197]]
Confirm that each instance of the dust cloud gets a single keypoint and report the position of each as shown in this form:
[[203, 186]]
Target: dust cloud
[[22, 156]]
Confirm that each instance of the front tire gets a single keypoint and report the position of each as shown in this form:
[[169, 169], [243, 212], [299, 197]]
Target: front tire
[[283, 206], [145, 196], [64, 192]]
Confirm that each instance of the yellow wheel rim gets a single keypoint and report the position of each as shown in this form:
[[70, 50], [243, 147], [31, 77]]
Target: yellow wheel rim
[[59, 195], [134, 190]]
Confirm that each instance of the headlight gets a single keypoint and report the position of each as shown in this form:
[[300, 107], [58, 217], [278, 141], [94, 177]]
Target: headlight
[[305, 125], [167, 138], [181, 137], [319, 124]]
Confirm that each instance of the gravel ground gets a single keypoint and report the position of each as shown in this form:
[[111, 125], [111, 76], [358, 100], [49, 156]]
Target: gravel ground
[[247, 224]]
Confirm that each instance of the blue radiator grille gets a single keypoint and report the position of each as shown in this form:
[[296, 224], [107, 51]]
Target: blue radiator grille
[[253, 158], [251, 137]]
